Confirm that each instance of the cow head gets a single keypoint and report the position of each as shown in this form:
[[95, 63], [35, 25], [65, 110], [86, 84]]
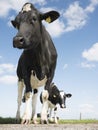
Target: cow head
[[29, 25], [62, 98], [58, 97]]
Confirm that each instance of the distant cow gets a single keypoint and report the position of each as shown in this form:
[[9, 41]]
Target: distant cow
[[39, 55], [55, 97]]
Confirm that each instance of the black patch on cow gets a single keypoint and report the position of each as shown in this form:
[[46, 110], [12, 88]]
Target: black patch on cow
[[55, 109], [35, 91], [41, 97], [54, 94]]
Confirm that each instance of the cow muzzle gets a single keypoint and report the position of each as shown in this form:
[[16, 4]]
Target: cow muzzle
[[63, 106], [18, 42]]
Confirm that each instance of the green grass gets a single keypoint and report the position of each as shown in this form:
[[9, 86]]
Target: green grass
[[7, 120], [13, 121], [87, 121]]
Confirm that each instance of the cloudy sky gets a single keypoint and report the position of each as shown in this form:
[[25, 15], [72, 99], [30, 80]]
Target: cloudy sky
[[75, 38]]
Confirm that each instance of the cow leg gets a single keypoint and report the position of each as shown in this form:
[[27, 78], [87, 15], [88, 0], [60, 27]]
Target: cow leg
[[50, 115], [27, 113], [28, 97], [34, 103], [19, 99], [45, 106], [55, 115], [45, 96]]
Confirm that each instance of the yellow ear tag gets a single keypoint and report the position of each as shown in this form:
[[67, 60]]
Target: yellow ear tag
[[48, 20], [54, 96]]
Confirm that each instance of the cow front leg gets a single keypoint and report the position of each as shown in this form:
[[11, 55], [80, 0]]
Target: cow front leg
[[55, 115], [50, 115], [27, 113], [34, 103], [19, 99], [44, 119], [28, 97]]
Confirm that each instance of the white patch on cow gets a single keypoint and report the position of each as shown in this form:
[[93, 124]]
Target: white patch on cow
[[27, 113], [45, 95], [19, 99], [35, 82], [45, 105], [34, 103], [62, 94], [44, 111], [26, 8]]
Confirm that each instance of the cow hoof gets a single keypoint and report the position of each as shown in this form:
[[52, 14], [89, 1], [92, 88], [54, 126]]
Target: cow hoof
[[44, 122], [23, 99], [26, 119], [25, 122], [56, 122], [35, 122]]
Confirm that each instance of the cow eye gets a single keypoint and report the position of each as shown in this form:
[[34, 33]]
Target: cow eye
[[33, 20]]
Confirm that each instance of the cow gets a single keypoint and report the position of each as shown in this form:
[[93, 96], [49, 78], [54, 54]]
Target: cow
[[37, 63], [55, 97]]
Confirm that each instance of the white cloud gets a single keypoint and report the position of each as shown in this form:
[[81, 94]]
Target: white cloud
[[40, 2], [91, 54], [7, 68], [77, 16], [6, 6], [91, 6], [9, 20], [8, 80], [65, 66], [87, 65], [8, 74], [44, 10], [56, 28]]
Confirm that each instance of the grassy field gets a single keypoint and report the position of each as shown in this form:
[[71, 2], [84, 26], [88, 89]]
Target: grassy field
[[7, 120], [13, 121], [87, 121]]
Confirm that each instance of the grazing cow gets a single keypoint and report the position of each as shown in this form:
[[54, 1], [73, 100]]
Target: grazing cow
[[55, 97], [36, 65]]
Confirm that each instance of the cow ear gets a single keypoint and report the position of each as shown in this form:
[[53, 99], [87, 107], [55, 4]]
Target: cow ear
[[50, 16], [68, 95], [13, 23]]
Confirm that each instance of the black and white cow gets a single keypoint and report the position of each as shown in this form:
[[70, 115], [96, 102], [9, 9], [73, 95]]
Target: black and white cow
[[55, 97], [37, 63]]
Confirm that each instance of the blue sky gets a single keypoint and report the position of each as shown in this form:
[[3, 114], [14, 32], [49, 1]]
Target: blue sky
[[75, 38]]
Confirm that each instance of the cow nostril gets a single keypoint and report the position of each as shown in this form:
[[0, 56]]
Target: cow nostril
[[21, 40]]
